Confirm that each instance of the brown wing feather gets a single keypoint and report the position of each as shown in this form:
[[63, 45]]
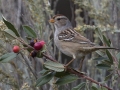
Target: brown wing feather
[[70, 35]]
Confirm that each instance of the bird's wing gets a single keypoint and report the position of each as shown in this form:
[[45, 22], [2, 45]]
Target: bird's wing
[[70, 35]]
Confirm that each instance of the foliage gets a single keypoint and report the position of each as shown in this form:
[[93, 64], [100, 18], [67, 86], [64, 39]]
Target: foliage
[[52, 68], [55, 73]]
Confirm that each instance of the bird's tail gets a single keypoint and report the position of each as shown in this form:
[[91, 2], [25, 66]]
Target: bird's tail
[[102, 47]]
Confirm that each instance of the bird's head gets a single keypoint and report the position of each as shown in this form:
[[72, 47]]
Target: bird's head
[[60, 21]]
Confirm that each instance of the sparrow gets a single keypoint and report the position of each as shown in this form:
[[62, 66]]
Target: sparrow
[[70, 42]]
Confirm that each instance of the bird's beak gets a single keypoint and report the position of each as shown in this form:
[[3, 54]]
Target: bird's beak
[[51, 20]]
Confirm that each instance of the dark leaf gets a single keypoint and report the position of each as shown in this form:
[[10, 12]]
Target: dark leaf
[[103, 66], [99, 33], [11, 27], [107, 62], [7, 57], [10, 34], [30, 31], [61, 74], [44, 79], [93, 88], [80, 86], [106, 40], [66, 79], [28, 38], [109, 56], [100, 58], [44, 71], [100, 53], [108, 77]]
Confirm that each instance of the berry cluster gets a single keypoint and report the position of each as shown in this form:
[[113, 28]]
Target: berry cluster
[[37, 45]]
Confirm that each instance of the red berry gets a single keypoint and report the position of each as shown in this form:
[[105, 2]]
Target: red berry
[[38, 46], [16, 49], [42, 42]]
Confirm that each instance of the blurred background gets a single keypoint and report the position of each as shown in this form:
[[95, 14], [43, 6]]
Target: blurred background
[[83, 14]]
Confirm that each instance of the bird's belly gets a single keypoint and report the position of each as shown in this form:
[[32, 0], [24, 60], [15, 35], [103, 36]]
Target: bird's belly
[[69, 49], [64, 49]]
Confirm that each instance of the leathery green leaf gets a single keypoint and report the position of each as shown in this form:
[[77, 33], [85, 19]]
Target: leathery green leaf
[[108, 77], [80, 86], [106, 40], [44, 79], [30, 31], [58, 67], [103, 66], [66, 79], [109, 56], [10, 26], [10, 34], [7, 57], [93, 88]]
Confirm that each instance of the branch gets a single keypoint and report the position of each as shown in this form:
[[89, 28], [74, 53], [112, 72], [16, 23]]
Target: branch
[[72, 71]]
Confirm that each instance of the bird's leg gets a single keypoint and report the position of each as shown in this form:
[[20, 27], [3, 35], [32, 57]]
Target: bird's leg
[[81, 63], [69, 62]]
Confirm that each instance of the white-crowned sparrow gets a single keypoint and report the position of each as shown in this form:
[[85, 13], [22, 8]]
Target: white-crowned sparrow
[[70, 42]]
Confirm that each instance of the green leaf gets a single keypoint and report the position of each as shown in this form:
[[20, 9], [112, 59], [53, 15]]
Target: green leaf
[[93, 88], [106, 40], [61, 74], [100, 58], [10, 34], [107, 62], [99, 33], [108, 77], [100, 53], [44, 79], [10, 26], [103, 66], [80, 86], [30, 31], [44, 71], [109, 56], [58, 67], [7, 57], [66, 79]]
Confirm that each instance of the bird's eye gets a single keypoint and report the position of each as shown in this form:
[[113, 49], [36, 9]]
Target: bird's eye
[[58, 19]]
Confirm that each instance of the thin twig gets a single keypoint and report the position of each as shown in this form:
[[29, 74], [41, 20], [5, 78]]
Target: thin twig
[[71, 70], [49, 58]]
